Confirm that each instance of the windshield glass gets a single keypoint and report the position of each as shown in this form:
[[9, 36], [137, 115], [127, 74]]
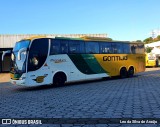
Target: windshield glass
[[21, 44], [19, 66]]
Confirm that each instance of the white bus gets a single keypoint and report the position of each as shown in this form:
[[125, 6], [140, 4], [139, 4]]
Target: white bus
[[41, 60]]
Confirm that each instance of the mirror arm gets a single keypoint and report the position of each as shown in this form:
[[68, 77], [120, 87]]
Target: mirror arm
[[20, 51], [4, 53]]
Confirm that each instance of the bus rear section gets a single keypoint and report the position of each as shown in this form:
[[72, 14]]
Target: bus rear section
[[151, 60]]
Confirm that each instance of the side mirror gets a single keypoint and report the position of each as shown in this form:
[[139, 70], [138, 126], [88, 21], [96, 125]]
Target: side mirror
[[20, 51], [4, 53]]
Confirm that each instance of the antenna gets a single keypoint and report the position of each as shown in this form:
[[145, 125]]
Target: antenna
[[153, 34], [158, 32]]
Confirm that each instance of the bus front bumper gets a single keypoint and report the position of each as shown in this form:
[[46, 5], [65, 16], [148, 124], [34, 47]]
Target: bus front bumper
[[18, 82]]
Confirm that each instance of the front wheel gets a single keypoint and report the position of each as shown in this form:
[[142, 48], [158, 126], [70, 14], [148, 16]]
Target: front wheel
[[59, 79], [157, 63]]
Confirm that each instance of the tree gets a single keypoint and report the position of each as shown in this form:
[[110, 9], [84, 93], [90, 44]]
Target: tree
[[148, 40], [158, 37], [138, 41], [148, 49]]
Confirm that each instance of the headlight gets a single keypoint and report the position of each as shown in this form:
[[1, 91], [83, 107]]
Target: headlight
[[22, 78]]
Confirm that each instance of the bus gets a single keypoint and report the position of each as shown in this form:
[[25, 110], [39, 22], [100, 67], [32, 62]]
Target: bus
[[151, 60], [55, 61]]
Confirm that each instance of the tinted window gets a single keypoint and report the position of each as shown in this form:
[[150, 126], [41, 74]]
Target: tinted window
[[141, 48], [37, 54], [63, 46], [92, 47], [55, 44], [105, 47], [76, 46], [119, 48], [133, 48], [126, 48]]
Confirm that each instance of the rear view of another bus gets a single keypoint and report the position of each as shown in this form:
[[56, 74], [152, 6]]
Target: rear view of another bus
[[151, 60]]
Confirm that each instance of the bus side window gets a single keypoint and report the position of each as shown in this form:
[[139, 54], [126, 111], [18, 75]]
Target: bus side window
[[54, 47], [119, 48], [63, 46], [141, 48], [92, 47], [126, 48], [114, 47], [105, 47], [134, 48], [74, 47]]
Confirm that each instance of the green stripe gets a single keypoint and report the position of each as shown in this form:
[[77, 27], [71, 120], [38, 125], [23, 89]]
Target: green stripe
[[93, 63], [86, 63]]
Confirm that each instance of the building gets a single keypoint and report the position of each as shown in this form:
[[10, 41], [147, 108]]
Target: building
[[7, 42], [155, 46], [155, 50]]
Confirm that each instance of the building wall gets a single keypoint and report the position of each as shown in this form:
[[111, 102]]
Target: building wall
[[8, 41]]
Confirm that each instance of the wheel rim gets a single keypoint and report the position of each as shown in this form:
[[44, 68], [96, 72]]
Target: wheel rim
[[123, 73], [131, 72]]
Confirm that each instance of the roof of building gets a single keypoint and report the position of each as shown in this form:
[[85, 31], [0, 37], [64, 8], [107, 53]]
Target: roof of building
[[8, 41]]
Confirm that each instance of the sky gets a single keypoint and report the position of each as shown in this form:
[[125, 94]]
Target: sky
[[127, 20]]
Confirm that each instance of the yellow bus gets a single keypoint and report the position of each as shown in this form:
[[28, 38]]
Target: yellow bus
[[41, 60], [151, 60]]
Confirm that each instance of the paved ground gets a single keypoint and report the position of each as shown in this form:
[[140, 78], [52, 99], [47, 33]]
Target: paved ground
[[137, 97], [4, 77]]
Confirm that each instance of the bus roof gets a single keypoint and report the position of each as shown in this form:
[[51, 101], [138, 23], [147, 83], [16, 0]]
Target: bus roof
[[83, 38], [33, 37]]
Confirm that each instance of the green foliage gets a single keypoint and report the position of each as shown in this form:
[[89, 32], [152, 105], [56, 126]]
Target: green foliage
[[148, 40], [158, 37], [148, 49]]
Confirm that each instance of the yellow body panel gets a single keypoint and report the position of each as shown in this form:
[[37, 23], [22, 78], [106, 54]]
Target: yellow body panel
[[150, 60], [112, 63]]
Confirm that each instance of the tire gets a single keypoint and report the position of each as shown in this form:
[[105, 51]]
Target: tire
[[59, 79], [157, 63], [131, 72], [123, 72]]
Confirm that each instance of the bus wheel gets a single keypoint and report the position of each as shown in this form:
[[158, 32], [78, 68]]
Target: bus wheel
[[157, 63], [131, 72], [59, 79], [123, 72]]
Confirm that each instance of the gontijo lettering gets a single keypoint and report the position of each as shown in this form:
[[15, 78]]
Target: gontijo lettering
[[114, 58]]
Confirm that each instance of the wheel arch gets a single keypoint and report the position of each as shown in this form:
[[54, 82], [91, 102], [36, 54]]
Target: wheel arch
[[60, 72], [131, 66]]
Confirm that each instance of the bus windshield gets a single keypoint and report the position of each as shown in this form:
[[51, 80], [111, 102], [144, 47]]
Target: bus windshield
[[19, 65], [21, 44]]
